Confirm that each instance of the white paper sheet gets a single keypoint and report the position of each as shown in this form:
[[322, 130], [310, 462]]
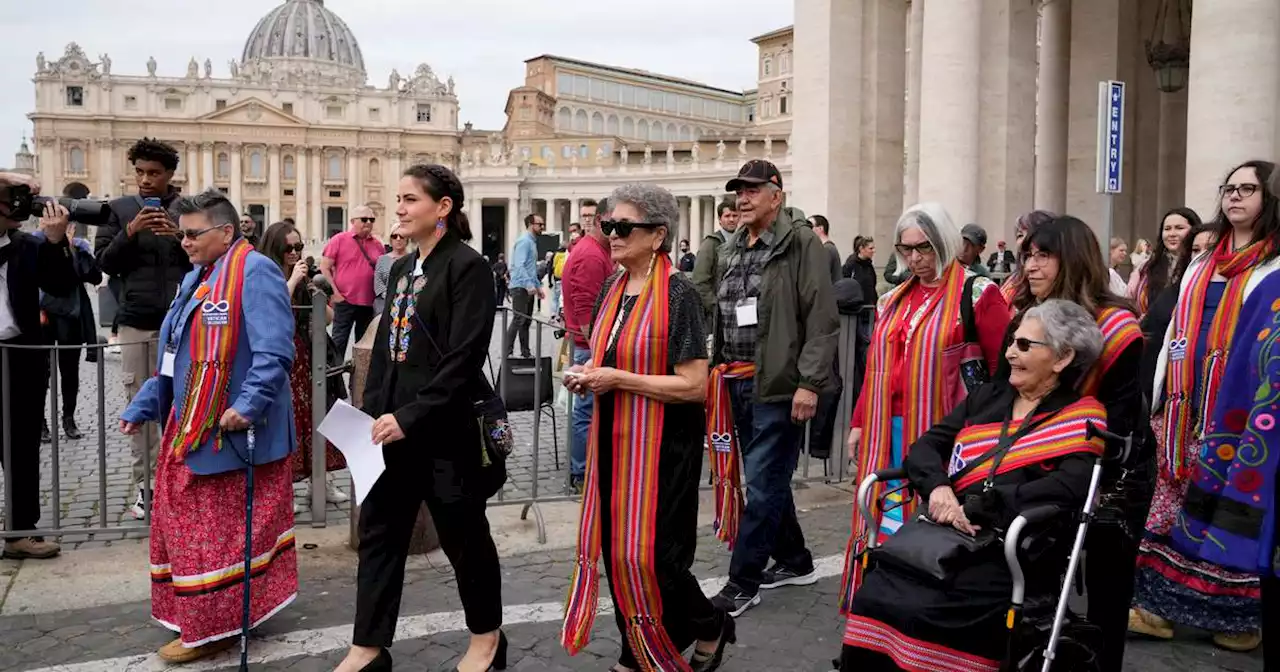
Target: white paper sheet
[[351, 431]]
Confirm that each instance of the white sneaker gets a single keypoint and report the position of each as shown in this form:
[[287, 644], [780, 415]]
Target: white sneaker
[[334, 495], [139, 508]]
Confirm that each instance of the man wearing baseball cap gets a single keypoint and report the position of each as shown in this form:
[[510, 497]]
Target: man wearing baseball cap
[[772, 355], [975, 241]]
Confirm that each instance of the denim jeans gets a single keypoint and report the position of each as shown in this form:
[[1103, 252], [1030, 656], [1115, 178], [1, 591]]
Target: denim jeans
[[582, 407], [771, 445]]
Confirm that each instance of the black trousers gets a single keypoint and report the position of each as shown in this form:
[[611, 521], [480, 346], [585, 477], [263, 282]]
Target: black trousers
[[386, 525], [1270, 621], [68, 365], [346, 316], [22, 410], [500, 292], [1111, 558], [521, 308]]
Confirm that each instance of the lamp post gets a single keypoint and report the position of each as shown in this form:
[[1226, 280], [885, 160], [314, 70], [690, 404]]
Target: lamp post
[[1171, 58]]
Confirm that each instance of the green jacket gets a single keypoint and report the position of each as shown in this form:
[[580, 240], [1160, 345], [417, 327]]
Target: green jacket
[[704, 267], [799, 323]]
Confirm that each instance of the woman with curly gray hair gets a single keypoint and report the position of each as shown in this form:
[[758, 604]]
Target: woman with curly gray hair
[[648, 372]]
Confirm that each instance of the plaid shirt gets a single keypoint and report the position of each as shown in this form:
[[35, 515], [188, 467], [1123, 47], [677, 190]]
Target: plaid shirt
[[741, 280]]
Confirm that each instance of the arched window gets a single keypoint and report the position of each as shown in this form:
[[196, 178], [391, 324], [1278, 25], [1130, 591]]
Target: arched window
[[564, 119], [288, 167], [580, 121], [375, 171], [255, 164], [566, 151], [786, 63], [333, 167], [75, 161], [611, 126], [782, 105], [686, 133], [628, 127], [768, 66], [583, 151], [597, 123], [224, 165], [657, 132], [642, 130], [672, 133]]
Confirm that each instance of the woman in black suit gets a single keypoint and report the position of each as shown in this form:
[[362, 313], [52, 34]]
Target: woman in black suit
[[425, 375]]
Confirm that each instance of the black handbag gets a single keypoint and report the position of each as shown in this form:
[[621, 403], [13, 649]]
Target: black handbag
[[934, 552]]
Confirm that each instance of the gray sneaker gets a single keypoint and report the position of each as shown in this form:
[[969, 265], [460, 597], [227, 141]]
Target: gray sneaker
[[733, 600]]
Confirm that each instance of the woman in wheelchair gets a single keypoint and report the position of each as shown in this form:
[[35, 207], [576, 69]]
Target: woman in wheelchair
[[936, 594]]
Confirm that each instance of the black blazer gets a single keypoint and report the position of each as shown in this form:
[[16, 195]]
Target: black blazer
[[431, 393], [31, 265]]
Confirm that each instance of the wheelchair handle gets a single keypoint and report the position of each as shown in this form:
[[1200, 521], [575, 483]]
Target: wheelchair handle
[[865, 503], [1093, 432], [1012, 539]]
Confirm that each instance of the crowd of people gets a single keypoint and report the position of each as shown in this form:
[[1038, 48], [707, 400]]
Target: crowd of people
[[981, 396]]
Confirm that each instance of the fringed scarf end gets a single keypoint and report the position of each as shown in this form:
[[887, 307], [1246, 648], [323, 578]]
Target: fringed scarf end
[[653, 648], [580, 608]]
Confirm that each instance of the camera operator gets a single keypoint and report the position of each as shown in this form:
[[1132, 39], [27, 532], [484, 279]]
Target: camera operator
[[140, 246], [27, 267]]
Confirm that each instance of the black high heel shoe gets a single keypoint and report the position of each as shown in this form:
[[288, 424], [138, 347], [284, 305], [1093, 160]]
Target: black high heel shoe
[[380, 664], [499, 661], [728, 635]]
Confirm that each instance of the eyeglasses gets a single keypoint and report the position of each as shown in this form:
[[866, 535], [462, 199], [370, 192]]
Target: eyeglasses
[[624, 228], [1244, 190], [396, 236], [296, 247], [195, 233], [367, 220], [1038, 256], [906, 250], [1025, 344]]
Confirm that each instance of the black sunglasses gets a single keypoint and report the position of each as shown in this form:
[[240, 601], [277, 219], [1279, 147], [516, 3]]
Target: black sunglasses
[[396, 236], [1025, 344], [368, 220], [906, 250], [296, 247], [624, 228], [196, 233]]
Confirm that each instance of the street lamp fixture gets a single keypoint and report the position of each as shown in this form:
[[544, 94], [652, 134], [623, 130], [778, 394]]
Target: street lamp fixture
[[1169, 47]]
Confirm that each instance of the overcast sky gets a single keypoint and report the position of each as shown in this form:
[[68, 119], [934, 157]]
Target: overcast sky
[[482, 43]]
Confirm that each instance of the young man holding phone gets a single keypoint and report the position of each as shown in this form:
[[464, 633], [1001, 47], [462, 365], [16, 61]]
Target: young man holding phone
[[139, 245]]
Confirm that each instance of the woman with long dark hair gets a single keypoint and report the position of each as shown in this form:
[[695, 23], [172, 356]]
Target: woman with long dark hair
[[1174, 586], [1061, 259], [1025, 223], [860, 266], [425, 376], [1146, 282], [1196, 241], [283, 244]]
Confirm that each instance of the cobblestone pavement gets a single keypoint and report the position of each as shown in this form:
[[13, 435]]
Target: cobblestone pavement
[[793, 629]]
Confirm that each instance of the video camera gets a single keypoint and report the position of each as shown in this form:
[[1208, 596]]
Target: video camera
[[23, 204]]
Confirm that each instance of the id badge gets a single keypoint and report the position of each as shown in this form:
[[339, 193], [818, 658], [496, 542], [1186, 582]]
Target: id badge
[[746, 313], [166, 363]]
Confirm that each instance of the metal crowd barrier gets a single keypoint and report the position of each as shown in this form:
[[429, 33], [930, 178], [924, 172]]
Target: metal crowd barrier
[[834, 469]]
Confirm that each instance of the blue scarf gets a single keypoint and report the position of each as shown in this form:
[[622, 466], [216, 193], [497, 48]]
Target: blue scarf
[[1229, 515]]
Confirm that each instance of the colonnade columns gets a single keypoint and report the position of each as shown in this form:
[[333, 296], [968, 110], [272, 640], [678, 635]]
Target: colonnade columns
[[206, 156], [192, 159], [1052, 104], [474, 214], [513, 225], [1007, 116], [576, 214], [695, 222], [317, 227], [915, 40], [686, 222], [301, 170], [1234, 93], [273, 184], [237, 178], [951, 53], [355, 193], [850, 65], [106, 167]]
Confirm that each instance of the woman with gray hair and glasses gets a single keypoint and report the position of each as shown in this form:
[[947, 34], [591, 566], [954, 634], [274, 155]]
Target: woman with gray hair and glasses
[[648, 372], [936, 335], [898, 621]]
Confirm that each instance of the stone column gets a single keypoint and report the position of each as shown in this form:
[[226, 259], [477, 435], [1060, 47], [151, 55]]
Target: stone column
[[317, 188], [1232, 107], [1007, 126], [1051, 105], [355, 186], [206, 153], [274, 213], [1171, 185], [576, 215], [513, 225], [915, 40], [301, 168], [884, 28], [685, 209], [695, 222], [949, 106], [237, 178], [47, 170], [106, 167], [474, 214], [193, 168]]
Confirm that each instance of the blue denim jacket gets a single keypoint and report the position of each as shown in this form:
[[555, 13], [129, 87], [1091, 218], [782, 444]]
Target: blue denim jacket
[[259, 389], [524, 263]]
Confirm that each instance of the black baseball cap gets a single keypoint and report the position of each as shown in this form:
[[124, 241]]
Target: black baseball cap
[[974, 234], [755, 171]]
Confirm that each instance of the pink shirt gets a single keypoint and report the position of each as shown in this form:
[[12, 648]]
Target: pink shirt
[[352, 271]]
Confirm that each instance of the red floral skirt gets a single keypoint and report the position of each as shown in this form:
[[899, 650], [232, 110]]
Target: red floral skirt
[[300, 382], [197, 549]]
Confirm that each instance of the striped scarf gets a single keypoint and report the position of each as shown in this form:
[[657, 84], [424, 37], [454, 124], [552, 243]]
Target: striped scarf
[[1010, 287], [725, 449], [1180, 428], [1120, 329], [214, 339], [636, 443], [1064, 434], [929, 332]]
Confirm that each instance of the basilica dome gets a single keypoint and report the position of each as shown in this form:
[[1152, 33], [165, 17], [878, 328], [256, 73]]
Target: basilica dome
[[304, 30]]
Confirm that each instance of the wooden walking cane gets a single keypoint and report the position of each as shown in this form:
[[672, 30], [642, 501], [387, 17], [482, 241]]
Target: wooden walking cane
[[248, 555]]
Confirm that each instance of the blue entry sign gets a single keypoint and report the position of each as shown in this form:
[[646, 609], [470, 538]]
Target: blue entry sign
[[1110, 137]]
